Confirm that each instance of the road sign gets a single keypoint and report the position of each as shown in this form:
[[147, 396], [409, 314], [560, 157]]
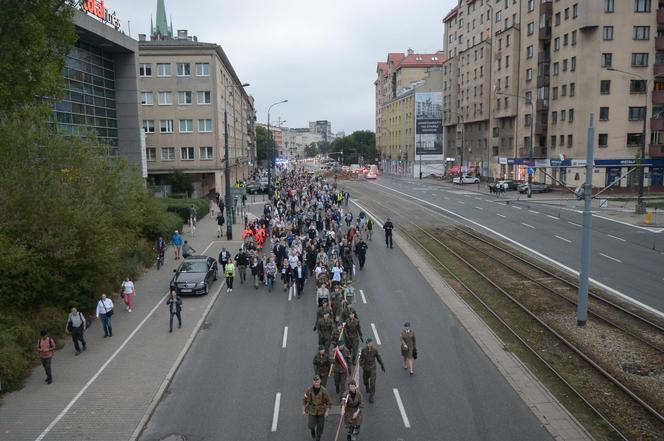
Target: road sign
[[531, 171], [603, 203]]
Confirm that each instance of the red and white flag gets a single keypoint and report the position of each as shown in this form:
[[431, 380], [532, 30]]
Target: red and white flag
[[340, 358]]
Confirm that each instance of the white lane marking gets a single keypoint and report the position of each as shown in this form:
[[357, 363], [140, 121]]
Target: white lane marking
[[527, 225], [552, 217], [373, 327], [402, 410], [653, 230], [98, 373], [570, 270], [478, 199], [612, 258], [562, 238], [501, 215], [208, 247], [461, 202], [285, 339], [290, 294], [364, 299], [479, 208], [488, 200], [514, 206], [573, 223], [617, 238], [275, 415], [533, 211]]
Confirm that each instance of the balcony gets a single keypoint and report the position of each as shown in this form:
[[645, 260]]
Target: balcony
[[545, 33], [656, 151], [658, 69], [541, 127], [539, 152], [660, 16], [542, 81], [543, 57], [657, 124], [546, 8], [524, 152], [659, 43], [541, 105], [658, 96]]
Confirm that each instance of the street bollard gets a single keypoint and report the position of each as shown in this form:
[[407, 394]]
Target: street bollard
[[648, 217]]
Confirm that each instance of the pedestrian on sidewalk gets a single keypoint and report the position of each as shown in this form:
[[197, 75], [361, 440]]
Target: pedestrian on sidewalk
[[316, 404], [174, 303], [408, 348], [220, 223], [105, 312], [45, 348], [229, 272], [76, 327], [388, 226], [128, 291], [212, 207], [369, 228], [176, 241]]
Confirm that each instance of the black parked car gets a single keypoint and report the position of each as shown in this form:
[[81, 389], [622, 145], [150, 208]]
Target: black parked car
[[195, 275]]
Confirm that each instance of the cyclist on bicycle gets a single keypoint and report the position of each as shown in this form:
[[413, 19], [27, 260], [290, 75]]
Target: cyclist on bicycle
[[160, 247]]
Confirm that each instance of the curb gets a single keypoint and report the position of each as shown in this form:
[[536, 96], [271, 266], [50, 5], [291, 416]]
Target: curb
[[171, 373]]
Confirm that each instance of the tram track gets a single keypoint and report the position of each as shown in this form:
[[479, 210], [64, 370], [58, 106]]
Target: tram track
[[461, 253]]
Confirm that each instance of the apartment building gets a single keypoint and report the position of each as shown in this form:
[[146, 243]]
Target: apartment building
[[544, 66], [398, 82]]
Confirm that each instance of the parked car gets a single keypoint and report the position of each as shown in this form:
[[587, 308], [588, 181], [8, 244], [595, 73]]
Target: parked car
[[372, 174], [466, 180], [195, 275], [535, 187], [506, 184]]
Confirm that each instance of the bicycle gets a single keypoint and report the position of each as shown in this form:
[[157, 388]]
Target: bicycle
[[160, 259]]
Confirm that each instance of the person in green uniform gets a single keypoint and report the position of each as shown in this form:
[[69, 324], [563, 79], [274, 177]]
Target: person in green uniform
[[316, 404], [354, 333], [340, 372], [353, 410], [368, 359], [325, 328], [408, 348], [322, 365]]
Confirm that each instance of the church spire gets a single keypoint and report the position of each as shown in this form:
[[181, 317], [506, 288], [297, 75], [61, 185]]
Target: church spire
[[161, 30]]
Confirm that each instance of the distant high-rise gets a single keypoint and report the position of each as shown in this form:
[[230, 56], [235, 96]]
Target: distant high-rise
[[162, 31]]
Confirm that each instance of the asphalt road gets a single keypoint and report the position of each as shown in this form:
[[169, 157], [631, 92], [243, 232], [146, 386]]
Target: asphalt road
[[622, 255], [226, 387]]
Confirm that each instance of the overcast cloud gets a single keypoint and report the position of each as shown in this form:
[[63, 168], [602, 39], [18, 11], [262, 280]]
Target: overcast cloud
[[320, 55]]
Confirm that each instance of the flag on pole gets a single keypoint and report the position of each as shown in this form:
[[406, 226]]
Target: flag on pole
[[340, 359]]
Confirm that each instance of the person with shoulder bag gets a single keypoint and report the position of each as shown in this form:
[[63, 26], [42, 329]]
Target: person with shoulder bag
[[408, 347], [76, 326], [45, 348], [105, 312]]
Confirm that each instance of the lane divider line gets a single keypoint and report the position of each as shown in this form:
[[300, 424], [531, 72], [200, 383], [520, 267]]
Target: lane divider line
[[573, 223], [364, 299], [612, 258], [533, 211], [479, 208], [562, 238], [552, 217], [501, 215], [373, 327], [517, 208], [402, 410], [275, 415], [527, 225], [617, 238], [285, 339]]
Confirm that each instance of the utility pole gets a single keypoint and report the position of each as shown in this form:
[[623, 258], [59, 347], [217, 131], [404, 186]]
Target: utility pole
[[582, 298], [270, 156]]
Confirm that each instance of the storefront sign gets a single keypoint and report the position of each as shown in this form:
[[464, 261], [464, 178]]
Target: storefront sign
[[502, 160], [98, 9]]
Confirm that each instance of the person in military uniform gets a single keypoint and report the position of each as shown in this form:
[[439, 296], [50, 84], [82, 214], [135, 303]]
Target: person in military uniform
[[316, 404], [325, 328], [346, 309], [322, 365], [354, 333], [361, 251], [353, 410], [335, 303], [340, 372], [322, 309], [408, 348], [368, 359]]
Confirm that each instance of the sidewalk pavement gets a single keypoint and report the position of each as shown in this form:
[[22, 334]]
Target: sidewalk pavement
[[104, 393]]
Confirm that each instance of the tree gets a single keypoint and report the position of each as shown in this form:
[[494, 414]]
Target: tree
[[359, 144], [311, 150], [35, 37], [261, 143], [181, 183]]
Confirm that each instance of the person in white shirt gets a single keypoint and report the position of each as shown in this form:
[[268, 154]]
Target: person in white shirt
[[128, 292], [336, 270], [104, 312]]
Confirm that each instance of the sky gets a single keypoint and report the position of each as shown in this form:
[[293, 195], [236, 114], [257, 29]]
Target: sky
[[320, 55]]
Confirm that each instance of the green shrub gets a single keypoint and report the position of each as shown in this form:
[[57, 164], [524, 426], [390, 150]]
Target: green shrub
[[181, 207]]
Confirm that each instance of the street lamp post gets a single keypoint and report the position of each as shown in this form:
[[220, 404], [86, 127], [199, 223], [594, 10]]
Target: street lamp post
[[270, 148], [227, 165]]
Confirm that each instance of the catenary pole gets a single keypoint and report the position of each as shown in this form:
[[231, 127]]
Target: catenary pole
[[582, 300]]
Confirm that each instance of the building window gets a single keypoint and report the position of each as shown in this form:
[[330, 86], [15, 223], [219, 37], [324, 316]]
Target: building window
[[572, 89], [529, 51], [168, 153], [204, 97], [607, 33], [573, 38], [603, 140], [163, 69], [605, 87], [556, 68], [641, 33], [147, 98], [557, 19], [553, 141], [634, 139], [640, 59], [607, 59], [637, 86], [529, 74], [186, 125], [575, 10], [641, 5], [151, 154], [184, 69], [184, 98], [148, 125], [204, 125], [609, 5], [570, 140], [531, 5], [508, 40], [202, 69], [554, 118], [531, 28], [637, 113], [565, 39], [529, 97], [563, 114], [603, 113], [187, 153], [556, 44], [565, 65], [145, 69], [165, 99], [206, 153], [561, 140], [555, 93], [563, 90], [507, 61], [499, 16], [566, 13], [571, 116], [166, 126]]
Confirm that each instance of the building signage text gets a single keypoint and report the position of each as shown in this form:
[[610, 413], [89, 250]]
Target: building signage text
[[98, 9]]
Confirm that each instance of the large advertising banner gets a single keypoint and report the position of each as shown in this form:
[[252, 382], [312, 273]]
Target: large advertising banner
[[429, 125]]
